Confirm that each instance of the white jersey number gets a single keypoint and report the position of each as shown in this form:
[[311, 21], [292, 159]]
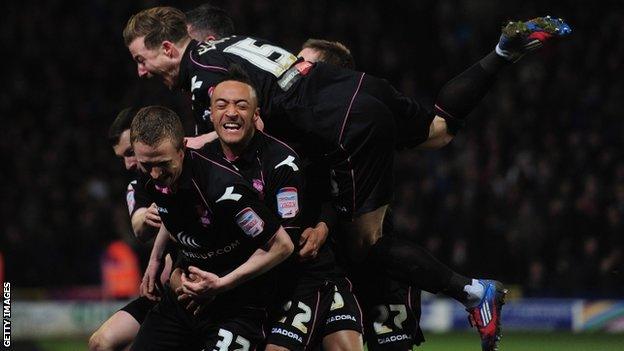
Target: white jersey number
[[259, 56], [226, 340], [380, 324]]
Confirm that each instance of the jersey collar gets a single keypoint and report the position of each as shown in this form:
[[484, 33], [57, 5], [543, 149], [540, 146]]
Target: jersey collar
[[185, 64]]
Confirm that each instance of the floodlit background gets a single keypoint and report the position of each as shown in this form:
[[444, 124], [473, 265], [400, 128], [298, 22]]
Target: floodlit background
[[530, 193]]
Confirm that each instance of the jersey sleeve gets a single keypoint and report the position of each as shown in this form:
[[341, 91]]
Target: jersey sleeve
[[202, 81], [239, 204], [206, 69], [287, 184], [412, 117], [136, 197]]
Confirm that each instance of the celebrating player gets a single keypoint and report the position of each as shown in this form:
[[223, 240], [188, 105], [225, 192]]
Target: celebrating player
[[380, 294], [351, 120], [316, 302], [226, 236], [120, 329]]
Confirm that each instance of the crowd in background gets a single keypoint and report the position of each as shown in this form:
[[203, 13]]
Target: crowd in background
[[531, 192]]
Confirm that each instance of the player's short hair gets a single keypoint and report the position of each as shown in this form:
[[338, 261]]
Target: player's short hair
[[332, 52], [121, 123], [154, 124], [157, 25], [237, 73], [210, 20]]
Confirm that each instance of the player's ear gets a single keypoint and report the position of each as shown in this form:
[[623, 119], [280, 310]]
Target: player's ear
[[258, 121], [168, 48]]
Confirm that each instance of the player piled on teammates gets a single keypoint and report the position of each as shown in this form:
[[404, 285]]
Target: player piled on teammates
[[120, 329], [226, 236], [380, 294], [351, 121]]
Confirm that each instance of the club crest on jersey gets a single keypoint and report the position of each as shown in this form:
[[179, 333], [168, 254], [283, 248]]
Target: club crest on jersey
[[249, 221], [287, 202], [258, 184], [204, 215]]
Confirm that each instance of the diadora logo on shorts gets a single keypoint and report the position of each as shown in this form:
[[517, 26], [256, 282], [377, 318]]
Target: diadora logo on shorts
[[393, 338], [340, 317], [286, 333]]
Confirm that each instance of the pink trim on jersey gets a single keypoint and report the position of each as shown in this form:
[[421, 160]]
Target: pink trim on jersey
[[344, 123], [409, 297], [279, 141], [443, 110], [201, 195], [318, 299], [216, 163], [356, 302], [292, 227], [214, 68], [359, 309]]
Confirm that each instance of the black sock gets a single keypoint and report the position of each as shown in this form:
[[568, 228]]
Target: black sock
[[459, 96], [455, 288], [411, 264]]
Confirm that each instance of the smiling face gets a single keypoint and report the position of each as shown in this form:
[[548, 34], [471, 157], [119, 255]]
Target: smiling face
[[162, 162], [234, 110], [163, 61]]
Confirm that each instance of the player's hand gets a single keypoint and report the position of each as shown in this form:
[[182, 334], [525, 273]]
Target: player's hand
[[194, 305], [199, 141], [148, 284], [199, 283], [311, 241], [152, 218]]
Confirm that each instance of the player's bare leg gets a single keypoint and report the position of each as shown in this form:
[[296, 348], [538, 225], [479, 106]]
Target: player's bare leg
[[115, 334], [364, 232], [344, 340]]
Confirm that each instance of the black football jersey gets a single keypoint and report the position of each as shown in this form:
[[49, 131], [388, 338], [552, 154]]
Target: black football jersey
[[213, 215], [136, 195], [307, 105], [276, 173]]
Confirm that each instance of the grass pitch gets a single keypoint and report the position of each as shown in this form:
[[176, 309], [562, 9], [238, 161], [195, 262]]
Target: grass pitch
[[461, 341]]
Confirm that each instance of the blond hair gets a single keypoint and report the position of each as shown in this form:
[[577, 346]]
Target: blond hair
[[156, 25]]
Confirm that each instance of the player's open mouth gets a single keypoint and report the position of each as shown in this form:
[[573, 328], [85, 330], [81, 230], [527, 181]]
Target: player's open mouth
[[232, 126]]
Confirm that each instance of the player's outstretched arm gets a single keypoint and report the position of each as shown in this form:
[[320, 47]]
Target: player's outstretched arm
[[203, 283], [461, 94], [155, 265], [199, 141]]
